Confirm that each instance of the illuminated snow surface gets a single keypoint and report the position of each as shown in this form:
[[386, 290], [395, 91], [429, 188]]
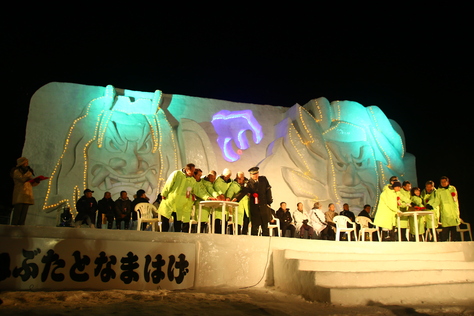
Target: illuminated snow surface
[[215, 301]]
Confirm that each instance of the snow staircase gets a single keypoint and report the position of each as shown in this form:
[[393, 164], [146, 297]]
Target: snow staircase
[[362, 273]]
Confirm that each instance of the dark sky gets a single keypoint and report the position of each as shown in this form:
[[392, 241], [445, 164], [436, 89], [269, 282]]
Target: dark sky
[[416, 65]]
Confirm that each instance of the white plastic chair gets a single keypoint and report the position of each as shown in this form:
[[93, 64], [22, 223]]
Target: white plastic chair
[[230, 223], [428, 235], [193, 220], [145, 215], [341, 227], [270, 228], [275, 225], [365, 223], [464, 230]]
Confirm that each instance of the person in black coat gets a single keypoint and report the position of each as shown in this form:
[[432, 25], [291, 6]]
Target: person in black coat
[[123, 210], [260, 200], [106, 207], [366, 211], [286, 220], [86, 208], [140, 197]]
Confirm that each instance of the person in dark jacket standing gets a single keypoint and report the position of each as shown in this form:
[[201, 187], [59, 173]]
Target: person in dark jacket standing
[[86, 208], [106, 207], [260, 200]]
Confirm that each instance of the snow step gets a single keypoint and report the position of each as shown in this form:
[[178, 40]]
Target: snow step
[[388, 265], [392, 278], [440, 256], [393, 274]]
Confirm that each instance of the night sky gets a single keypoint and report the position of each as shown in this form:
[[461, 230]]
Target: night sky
[[416, 65]]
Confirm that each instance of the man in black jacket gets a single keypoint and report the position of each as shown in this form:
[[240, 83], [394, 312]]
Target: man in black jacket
[[260, 201], [286, 220], [86, 208], [123, 210], [106, 207]]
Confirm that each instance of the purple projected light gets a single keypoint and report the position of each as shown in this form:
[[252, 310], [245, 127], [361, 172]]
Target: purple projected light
[[231, 126]]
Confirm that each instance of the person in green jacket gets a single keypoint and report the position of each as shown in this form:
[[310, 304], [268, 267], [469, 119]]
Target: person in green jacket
[[405, 203], [203, 190], [447, 200], [429, 194], [417, 202], [388, 186], [221, 185], [391, 181], [177, 197], [236, 194], [387, 209]]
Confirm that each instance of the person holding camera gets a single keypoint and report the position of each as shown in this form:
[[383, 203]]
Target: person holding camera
[[286, 220]]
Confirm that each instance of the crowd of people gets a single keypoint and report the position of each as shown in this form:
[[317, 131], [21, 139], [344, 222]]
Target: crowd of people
[[397, 198], [186, 188]]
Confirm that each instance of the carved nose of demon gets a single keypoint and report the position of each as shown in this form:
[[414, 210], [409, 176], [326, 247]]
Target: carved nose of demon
[[125, 161]]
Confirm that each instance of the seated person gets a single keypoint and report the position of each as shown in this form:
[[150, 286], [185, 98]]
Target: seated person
[[273, 222], [286, 220], [302, 222], [346, 212], [123, 210], [366, 211], [318, 221], [330, 214]]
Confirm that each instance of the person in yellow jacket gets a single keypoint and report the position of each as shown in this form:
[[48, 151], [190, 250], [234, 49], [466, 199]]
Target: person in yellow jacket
[[447, 200], [405, 203], [177, 197], [206, 183], [201, 192], [387, 208], [428, 195], [235, 194], [417, 202], [221, 185]]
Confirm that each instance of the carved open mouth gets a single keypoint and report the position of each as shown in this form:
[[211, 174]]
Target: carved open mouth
[[355, 197], [106, 179]]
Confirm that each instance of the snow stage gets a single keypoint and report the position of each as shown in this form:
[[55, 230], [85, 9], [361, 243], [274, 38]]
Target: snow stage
[[109, 139], [345, 273]]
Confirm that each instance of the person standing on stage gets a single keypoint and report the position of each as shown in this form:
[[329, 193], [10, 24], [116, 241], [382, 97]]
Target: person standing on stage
[[236, 193], [221, 186], [177, 197], [447, 200], [260, 200], [428, 194], [387, 209]]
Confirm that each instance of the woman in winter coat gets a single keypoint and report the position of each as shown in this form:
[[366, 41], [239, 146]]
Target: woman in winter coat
[[23, 181], [388, 208]]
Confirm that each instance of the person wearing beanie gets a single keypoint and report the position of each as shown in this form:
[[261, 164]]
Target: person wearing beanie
[[23, 179], [387, 209]]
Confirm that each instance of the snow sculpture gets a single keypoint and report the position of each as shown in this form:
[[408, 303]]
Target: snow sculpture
[[110, 139], [339, 152]]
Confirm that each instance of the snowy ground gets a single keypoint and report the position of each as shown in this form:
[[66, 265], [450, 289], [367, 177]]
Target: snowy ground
[[215, 301]]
